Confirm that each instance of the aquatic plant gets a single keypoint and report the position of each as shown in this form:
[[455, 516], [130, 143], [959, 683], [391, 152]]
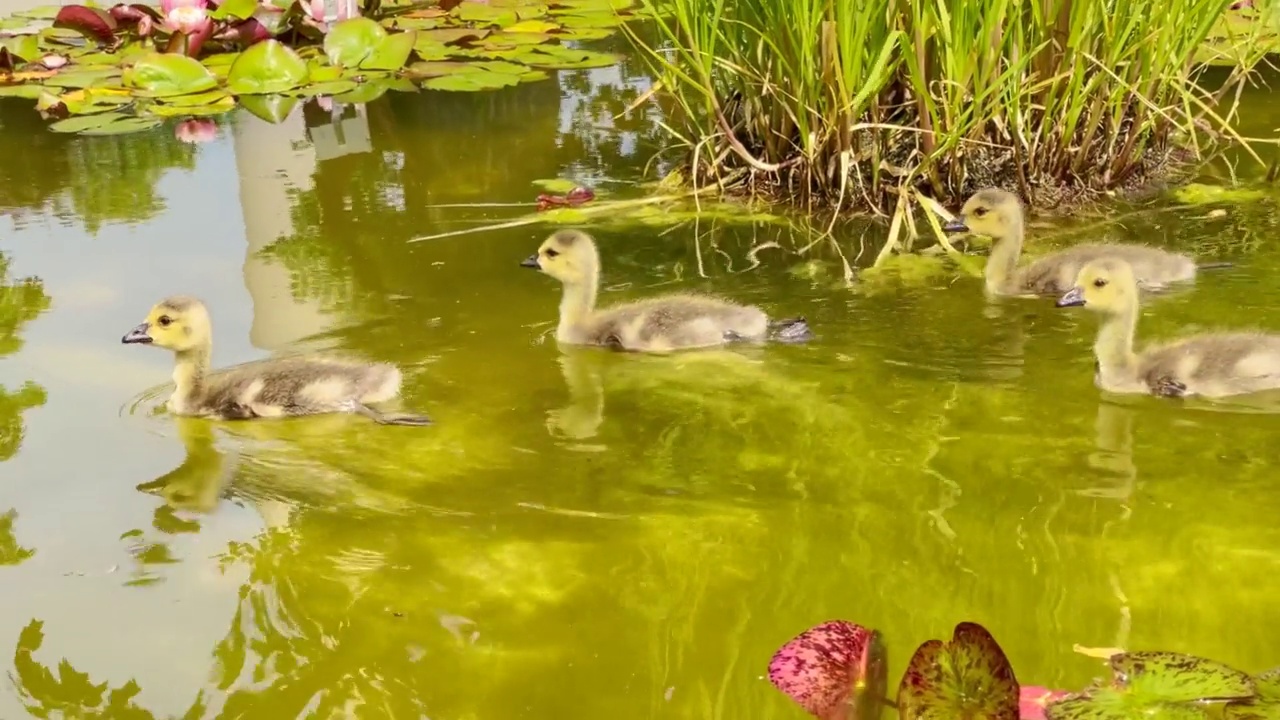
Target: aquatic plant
[[128, 67], [826, 669], [866, 104]]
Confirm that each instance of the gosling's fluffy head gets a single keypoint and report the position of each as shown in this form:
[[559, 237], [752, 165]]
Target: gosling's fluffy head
[[991, 212], [177, 323], [566, 255], [1106, 286]]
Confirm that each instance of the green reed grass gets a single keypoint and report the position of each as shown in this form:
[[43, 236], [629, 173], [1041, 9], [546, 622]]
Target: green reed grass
[[865, 104]]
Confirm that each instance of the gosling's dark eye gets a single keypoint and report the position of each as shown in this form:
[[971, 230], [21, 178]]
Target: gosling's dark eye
[[979, 212], [1100, 282], [164, 320], [552, 253]]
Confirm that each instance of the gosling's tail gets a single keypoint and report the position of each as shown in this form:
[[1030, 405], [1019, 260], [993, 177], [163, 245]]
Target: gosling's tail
[[791, 330]]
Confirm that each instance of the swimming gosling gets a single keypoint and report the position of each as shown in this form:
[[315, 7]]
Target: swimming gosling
[[998, 215], [659, 324], [273, 388], [1211, 365]]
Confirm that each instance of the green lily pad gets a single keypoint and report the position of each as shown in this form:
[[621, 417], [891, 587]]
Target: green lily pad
[[44, 12], [392, 53], [432, 49], [555, 57], [319, 72], [100, 58], [350, 41], [559, 186], [364, 92], [564, 216], [82, 78], [483, 14], [336, 87], [969, 677], [204, 98], [26, 47], [472, 81], [14, 23], [534, 27], [272, 108], [1265, 706], [1200, 194], [88, 102], [411, 23], [437, 69], [452, 36], [30, 92], [160, 75], [223, 59], [83, 123], [582, 19], [266, 68], [584, 33], [219, 107], [1156, 685], [240, 9]]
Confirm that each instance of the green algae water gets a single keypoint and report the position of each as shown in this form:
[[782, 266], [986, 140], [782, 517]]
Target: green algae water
[[582, 534]]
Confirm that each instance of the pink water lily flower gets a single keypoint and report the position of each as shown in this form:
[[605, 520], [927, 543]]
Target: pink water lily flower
[[316, 10], [187, 19], [1032, 700], [196, 130]]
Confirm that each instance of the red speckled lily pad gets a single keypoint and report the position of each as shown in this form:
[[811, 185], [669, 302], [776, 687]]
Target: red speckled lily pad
[[1265, 706], [1156, 686], [968, 678], [835, 670]]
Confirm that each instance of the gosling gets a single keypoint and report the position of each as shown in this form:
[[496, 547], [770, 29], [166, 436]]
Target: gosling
[[274, 388], [998, 215], [658, 324], [1211, 365]]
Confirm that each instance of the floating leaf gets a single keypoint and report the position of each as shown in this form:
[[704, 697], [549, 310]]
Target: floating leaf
[[90, 22], [436, 69], [98, 58], [318, 72], [239, 9], [969, 677], [483, 14], [44, 12], [1266, 706], [507, 40], [30, 92], [557, 185], [224, 105], [1155, 685], [581, 19], [452, 36], [162, 75], [532, 26], [76, 124], [265, 68], [392, 53], [584, 33], [272, 108], [336, 87], [472, 82], [26, 47], [411, 23], [203, 98], [555, 57], [82, 78], [351, 41], [87, 102], [365, 92], [1200, 194], [823, 668]]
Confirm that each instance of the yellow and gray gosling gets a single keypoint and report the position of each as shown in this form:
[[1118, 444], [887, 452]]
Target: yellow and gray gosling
[[273, 388], [998, 215], [1211, 365], [659, 324]]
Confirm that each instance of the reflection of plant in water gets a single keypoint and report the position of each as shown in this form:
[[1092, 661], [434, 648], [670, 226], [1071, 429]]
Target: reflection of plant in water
[[69, 693], [95, 180], [835, 672], [146, 554], [11, 553], [20, 302]]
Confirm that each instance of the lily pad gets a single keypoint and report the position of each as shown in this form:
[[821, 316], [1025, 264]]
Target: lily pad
[[830, 666], [392, 53], [364, 92], [240, 9], [556, 57], [26, 47], [1155, 685], [87, 102], [204, 98], [484, 14], [30, 92], [969, 677], [452, 36], [218, 107], [160, 75], [559, 186], [82, 78], [91, 22], [532, 26], [1201, 194], [350, 41], [1265, 706], [336, 87], [104, 124], [265, 68], [272, 108], [472, 81], [437, 69]]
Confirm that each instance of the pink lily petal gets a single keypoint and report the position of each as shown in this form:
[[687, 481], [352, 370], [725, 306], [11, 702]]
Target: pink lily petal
[[1032, 700]]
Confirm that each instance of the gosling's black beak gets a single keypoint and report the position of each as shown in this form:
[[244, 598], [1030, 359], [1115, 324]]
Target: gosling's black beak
[[955, 226], [1072, 298], [531, 262], [138, 335]]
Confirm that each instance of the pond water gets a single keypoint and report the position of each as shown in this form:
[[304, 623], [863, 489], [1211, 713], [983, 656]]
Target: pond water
[[582, 534]]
